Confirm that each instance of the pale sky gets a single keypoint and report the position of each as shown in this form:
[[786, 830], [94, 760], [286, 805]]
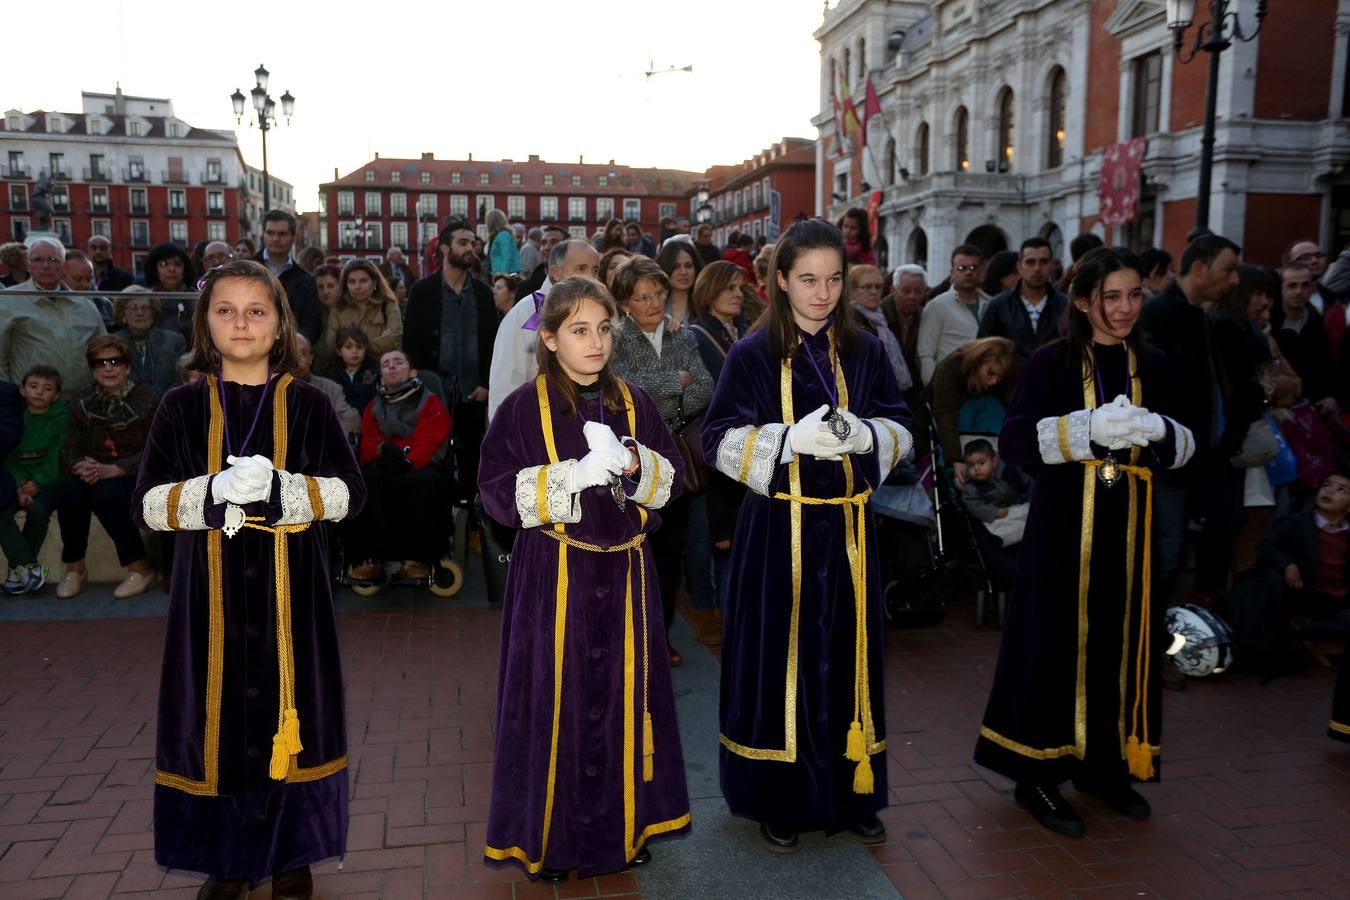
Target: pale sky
[[498, 78]]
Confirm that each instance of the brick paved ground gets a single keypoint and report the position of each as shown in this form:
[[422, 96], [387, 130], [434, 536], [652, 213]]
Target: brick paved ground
[[1256, 800]]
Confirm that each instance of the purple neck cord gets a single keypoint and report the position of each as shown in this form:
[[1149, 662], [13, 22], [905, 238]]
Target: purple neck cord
[[225, 418]]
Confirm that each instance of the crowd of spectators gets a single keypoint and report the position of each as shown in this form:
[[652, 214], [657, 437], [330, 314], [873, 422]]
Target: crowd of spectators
[[1258, 357]]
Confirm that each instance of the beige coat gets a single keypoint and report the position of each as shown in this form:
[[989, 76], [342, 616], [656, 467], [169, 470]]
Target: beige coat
[[382, 323]]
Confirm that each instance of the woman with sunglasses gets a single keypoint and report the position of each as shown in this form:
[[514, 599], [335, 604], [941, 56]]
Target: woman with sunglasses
[[101, 454]]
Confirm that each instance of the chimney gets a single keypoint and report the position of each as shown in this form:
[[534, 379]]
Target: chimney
[[470, 157], [534, 157], [335, 173], [377, 154], [428, 157], [119, 101], [611, 162], [581, 160]]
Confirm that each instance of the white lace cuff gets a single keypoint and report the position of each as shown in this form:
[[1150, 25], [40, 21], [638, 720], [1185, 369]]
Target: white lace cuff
[[656, 476], [177, 507], [892, 443], [1065, 438], [749, 454], [305, 498], [542, 497]]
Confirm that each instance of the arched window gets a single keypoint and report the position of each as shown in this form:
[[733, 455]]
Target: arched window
[[1054, 143], [892, 164], [962, 130], [1005, 130], [921, 149]]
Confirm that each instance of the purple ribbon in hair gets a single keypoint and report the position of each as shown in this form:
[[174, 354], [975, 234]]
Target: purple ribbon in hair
[[532, 323]]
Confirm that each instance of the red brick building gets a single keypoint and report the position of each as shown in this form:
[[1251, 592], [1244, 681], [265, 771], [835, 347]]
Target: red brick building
[[381, 204], [763, 194], [996, 117], [124, 167]]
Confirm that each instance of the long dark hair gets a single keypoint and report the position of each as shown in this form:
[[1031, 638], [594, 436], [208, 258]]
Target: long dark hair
[[561, 303], [162, 252], [777, 322], [670, 256], [205, 357], [859, 216], [1089, 277]]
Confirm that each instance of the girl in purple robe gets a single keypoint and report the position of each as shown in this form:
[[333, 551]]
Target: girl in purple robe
[[1076, 689], [587, 767], [807, 414], [244, 466]]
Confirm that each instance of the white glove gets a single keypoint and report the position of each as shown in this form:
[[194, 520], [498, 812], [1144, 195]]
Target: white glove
[[1148, 426], [247, 480], [1113, 425], [859, 438], [812, 437], [602, 437], [596, 468]]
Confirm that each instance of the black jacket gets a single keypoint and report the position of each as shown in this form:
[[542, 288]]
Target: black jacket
[[1292, 538], [1007, 317], [1239, 352], [1308, 351], [1181, 330], [422, 325], [11, 430], [114, 279], [303, 294]]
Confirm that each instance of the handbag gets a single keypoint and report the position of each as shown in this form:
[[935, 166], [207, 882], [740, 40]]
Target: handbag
[[1259, 447], [1283, 468], [688, 434]]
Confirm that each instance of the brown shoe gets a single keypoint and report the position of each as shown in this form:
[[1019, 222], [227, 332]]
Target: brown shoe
[[70, 584], [222, 890], [367, 571], [708, 627], [297, 884], [413, 571]]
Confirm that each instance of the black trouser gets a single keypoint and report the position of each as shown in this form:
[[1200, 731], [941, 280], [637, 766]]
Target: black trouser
[[470, 425], [668, 551], [406, 517], [110, 500]]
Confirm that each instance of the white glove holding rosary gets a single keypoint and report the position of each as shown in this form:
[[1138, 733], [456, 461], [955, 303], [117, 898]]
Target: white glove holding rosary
[[596, 468], [859, 438], [812, 437], [1113, 425], [602, 437], [247, 480]]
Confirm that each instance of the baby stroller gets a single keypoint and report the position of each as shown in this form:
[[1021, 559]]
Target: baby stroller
[[919, 576]]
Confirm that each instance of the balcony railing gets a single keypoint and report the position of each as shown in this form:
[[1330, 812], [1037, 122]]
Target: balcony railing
[[140, 240], [96, 174], [168, 176], [135, 174], [140, 209], [13, 171], [215, 210], [19, 204], [209, 177], [98, 210], [61, 174]]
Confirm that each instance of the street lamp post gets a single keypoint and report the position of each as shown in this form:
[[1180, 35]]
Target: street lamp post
[[703, 212], [1213, 37], [265, 107]]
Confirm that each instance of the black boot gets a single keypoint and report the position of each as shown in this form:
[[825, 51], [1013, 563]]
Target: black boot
[[297, 884], [1045, 802], [779, 840], [214, 889], [552, 876], [641, 858], [1119, 795], [870, 831]]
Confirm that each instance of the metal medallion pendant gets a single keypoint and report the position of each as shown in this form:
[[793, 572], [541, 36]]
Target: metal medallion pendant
[[1109, 472], [234, 520], [616, 488], [839, 426]]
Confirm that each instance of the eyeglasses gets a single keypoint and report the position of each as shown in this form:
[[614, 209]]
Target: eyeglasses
[[968, 267], [45, 260], [107, 362], [658, 297]]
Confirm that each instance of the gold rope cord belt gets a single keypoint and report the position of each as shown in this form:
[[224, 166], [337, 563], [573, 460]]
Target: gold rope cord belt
[[627, 547], [855, 538]]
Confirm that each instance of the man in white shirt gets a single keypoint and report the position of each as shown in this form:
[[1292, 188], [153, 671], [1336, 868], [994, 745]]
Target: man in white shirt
[[513, 361], [953, 318]]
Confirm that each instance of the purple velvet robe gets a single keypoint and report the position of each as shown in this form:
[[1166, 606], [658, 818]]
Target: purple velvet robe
[[790, 672], [1063, 702], [217, 809], [583, 650]]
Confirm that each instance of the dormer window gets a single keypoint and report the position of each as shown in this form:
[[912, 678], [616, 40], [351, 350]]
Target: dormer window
[[135, 127], [14, 123], [55, 124]]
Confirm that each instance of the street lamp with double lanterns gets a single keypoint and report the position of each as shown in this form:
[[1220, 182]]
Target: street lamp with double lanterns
[[265, 107], [703, 211], [1213, 37]]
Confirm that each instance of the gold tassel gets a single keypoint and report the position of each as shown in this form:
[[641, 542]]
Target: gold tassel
[[856, 749], [1140, 758], [863, 782], [281, 760], [648, 748], [290, 727]]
